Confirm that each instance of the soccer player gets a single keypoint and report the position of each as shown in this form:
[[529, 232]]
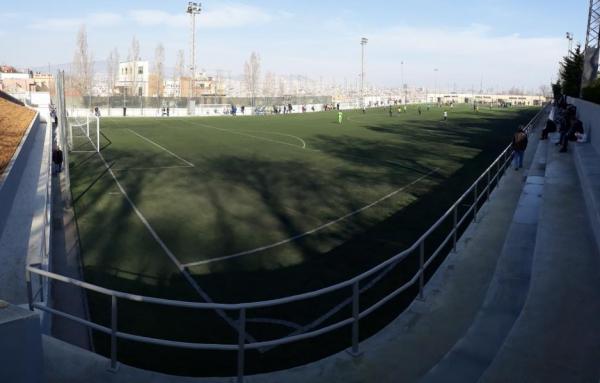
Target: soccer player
[[340, 116], [419, 110], [445, 115], [391, 112]]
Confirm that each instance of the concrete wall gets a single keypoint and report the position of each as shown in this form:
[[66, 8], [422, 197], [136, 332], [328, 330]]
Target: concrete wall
[[20, 346], [9, 181], [201, 111], [589, 114]]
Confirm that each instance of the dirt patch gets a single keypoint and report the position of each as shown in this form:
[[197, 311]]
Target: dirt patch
[[14, 121]]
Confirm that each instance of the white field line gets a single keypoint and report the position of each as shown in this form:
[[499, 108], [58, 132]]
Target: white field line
[[283, 135], [257, 137], [191, 165], [152, 168], [168, 251], [312, 231]]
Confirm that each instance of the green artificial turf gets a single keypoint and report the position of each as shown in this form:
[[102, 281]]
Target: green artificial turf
[[220, 186]]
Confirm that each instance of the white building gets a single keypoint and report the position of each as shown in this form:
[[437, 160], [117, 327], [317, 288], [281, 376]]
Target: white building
[[171, 88], [133, 78]]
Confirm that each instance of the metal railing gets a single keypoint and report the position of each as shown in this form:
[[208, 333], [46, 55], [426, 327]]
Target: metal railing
[[474, 196]]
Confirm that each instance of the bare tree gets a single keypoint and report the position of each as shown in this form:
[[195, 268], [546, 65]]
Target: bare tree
[[179, 68], [112, 72], [83, 66], [281, 92], [134, 57], [252, 75], [545, 90], [269, 85], [159, 68]]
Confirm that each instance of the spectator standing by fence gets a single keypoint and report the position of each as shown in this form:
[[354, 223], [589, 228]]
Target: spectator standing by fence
[[519, 145], [57, 159]]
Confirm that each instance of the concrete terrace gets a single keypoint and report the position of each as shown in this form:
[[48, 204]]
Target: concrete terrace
[[518, 302]]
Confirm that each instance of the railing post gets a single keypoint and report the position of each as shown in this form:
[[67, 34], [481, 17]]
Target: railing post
[[475, 199], [241, 345], [29, 290], [113, 334], [41, 287], [421, 268], [500, 160], [455, 227], [356, 316], [489, 183]]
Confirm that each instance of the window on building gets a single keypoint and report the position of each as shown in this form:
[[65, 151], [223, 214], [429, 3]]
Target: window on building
[[140, 70], [140, 91]]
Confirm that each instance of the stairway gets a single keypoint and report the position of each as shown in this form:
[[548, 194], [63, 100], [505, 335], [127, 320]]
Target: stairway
[[540, 321]]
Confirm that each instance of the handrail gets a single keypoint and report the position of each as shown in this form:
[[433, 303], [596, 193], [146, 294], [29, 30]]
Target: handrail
[[499, 164]]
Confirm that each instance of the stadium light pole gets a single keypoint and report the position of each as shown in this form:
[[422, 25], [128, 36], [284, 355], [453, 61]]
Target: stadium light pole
[[402, 80], [363, 42], [193, 9], [569, 37], [435, 73]]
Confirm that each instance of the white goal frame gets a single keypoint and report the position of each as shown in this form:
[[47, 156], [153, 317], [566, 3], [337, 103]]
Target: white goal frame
[[87, 124]]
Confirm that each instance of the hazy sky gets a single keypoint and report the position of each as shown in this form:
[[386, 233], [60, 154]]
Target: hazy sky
[[502, 42]]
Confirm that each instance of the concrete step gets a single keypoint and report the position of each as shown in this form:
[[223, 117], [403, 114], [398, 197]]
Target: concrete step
[[557, 336], [507, 292]]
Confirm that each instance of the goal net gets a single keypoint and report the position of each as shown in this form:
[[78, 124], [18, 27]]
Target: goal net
[[84, 134]]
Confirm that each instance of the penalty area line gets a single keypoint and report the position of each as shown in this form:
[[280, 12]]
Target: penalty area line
[[184, 271], [312, 231], [191, 165], [257, 137]]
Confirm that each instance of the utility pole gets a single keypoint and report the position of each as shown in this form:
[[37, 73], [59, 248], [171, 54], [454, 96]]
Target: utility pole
[[193, 9], [363, 42]]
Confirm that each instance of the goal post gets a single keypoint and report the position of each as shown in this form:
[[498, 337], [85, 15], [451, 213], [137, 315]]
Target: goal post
[[84, 134]]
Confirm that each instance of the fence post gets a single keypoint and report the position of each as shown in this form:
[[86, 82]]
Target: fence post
[[455, 227], [421, 268], [241, 345], [113, 334], [356, 316]]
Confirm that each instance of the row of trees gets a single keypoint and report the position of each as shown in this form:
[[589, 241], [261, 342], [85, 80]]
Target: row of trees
[[82, 73], [269, 86], [570, 76]]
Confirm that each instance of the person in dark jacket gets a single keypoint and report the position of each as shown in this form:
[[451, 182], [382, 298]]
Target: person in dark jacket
[[57, 159], [519, 145]]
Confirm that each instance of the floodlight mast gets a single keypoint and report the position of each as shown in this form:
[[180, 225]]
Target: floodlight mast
[[435, 89], [363, 42], [569, 37], [592, 45], [193, 9]]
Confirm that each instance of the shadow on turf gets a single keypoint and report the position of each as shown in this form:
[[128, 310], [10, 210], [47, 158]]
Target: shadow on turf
[[238, 280]]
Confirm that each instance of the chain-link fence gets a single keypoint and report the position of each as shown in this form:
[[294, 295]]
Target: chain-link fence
[[183, 102]]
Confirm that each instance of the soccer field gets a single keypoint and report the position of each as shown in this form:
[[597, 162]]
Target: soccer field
[[262, 207]]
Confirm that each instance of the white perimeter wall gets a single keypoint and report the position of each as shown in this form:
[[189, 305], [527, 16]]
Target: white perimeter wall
[[589, 114]]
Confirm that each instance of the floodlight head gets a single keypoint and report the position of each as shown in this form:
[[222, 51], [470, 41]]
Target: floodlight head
[[364, 41], [194, 8]]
